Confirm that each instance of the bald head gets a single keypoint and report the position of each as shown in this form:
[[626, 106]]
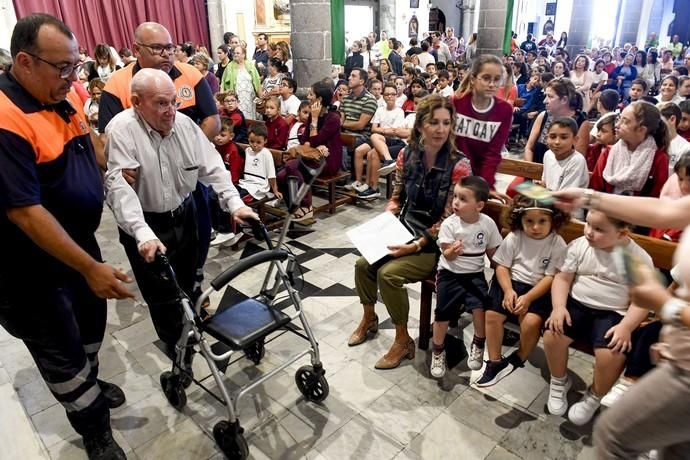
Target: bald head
[[153, 46], [146, 29], [154, 98], [147, 81]]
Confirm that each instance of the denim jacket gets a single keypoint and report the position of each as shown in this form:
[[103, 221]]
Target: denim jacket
[[426, 197]]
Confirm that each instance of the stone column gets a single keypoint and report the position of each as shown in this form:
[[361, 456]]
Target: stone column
[[644, 22], [310, 23], [216, 24], [492, 18], [580, 27], [467, 26], [387, 17], [630, 21]]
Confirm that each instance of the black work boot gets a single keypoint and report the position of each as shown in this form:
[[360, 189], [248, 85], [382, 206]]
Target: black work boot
[[113, 393], [103, 447]]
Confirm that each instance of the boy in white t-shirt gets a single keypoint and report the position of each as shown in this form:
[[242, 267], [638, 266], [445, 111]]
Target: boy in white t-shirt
[[591, 304], [563, 166], [465, 238], [381, 145], [289, 103], [678, 146], [443, 87], [259, 171]]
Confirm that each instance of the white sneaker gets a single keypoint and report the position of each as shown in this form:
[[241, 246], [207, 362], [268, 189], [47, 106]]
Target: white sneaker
[[438, 364], [476, 358], [236, 239], [583, 411], [558, 392], [222, 238], [616, 392], [357, 186]]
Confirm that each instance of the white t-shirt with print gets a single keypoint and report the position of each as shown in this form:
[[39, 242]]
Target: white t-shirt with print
[[597, 283], [530, 260], [476, 238], [676, 149], [389, 118], [569, 172], [258, 168], [289, 106], [446, 92]]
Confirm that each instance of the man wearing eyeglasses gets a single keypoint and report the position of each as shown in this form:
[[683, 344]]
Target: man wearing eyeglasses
[[53, 282], [154, 49], [157, 213]]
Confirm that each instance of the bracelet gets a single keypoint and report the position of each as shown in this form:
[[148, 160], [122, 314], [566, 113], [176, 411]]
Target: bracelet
[[591, 199], [671, 311], [418, 245]]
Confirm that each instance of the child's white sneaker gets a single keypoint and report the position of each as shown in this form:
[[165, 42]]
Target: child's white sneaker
[[616, 392], [357, 186], [583, 411], [558, 392], [438, 364], [476, 358]]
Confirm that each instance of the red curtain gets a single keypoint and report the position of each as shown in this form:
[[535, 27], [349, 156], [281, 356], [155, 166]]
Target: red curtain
[[113, 21]]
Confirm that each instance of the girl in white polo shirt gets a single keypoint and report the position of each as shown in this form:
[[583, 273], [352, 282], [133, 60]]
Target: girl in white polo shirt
[[526, 263], [591, 304]]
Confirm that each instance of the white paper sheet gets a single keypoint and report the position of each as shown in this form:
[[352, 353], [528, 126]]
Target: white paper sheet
[[373, 237]]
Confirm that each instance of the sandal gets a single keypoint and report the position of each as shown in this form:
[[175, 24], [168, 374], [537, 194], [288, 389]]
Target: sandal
[[302, 214]]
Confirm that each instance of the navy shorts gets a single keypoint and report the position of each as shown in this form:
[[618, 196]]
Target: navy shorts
[[541, 306], [589, 325], [454, 290], [361, 139], [394, 145]]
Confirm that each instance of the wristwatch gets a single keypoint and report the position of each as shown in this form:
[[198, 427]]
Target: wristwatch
[[671, 311], [590, 199]]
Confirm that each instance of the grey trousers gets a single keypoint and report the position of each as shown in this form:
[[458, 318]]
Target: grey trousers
[[653, 414]]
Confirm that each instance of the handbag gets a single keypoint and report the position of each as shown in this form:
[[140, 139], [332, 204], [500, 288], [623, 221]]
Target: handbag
[[417, 221], [305, 151]]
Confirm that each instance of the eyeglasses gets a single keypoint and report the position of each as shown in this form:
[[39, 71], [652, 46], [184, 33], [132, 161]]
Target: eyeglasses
[[487, 79], [66, 70], [163, 106], [158, 49]]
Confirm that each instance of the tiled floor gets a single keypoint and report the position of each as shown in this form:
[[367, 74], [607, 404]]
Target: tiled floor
[[369, 414]]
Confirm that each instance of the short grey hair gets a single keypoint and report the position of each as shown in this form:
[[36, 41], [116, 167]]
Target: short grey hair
[[147, 79]]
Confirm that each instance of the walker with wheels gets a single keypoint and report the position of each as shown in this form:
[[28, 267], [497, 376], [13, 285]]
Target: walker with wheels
[[245, 326]]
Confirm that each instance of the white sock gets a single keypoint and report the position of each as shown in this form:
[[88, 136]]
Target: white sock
[[560, 380]]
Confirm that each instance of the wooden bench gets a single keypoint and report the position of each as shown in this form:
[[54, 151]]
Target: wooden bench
[[348, 141], [661, 251]]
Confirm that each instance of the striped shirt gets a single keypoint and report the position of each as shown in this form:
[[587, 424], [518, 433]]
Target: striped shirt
[[354, 106]]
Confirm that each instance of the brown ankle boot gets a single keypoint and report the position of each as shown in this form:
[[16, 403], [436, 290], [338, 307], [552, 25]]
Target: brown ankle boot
[[360, 334], [396, 354]]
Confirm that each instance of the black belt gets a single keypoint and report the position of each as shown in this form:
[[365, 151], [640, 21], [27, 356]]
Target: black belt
[[169, 217]]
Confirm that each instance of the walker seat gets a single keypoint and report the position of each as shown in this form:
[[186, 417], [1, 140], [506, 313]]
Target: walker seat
[[244, 323]]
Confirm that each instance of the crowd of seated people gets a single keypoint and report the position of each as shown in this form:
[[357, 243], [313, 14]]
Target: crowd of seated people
[[615, 120]]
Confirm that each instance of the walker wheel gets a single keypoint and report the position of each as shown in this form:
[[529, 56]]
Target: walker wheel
[[230, 440], [312, 384], [256, 351], [173, 390]]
